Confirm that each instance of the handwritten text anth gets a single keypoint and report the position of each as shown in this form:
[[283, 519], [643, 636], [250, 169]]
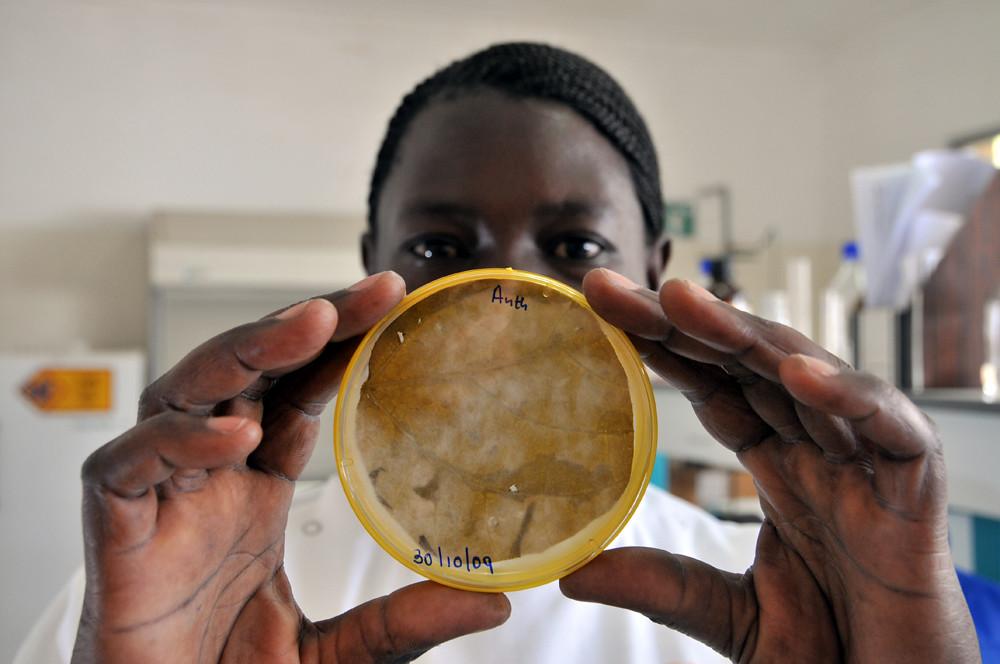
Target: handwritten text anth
[[516, 302]]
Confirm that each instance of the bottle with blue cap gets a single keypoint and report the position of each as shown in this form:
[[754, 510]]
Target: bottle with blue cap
[[842, 301]]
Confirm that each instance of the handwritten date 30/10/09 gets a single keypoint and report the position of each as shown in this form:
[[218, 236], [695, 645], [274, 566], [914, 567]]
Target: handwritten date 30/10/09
[[469, 563], [516, 302]]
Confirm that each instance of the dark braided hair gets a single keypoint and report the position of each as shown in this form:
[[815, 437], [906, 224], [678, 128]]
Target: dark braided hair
[[538, 71]]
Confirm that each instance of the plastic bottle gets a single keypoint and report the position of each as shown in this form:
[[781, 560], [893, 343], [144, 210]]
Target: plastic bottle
[[842, 301], [990, 372]]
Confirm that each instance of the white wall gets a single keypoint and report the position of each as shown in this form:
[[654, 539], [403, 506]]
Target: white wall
[[123, 106], [111, 109]]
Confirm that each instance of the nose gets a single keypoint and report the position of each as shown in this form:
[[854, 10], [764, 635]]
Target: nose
[[521, 254]]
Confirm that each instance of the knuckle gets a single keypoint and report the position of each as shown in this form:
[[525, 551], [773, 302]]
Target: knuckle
[[259, 389], [100, 463], [148, 400], [96, 466], [872, 383], [932, 427], [763, 324], [928, 429], [160, 398], [90, 471]]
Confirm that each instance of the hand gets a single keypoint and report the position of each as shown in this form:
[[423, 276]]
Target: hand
[[184, 515], [852, 561]]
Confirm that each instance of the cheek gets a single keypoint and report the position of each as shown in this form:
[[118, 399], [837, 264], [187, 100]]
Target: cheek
[[638, 265], [416, 275], [633, 256], [633, 251], [632, 264]]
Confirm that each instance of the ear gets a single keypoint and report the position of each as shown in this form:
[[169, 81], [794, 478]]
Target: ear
[[367, 251], [656, 260]]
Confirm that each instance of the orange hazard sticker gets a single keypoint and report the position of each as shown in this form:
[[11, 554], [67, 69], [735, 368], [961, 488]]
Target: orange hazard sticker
[[69, 390]]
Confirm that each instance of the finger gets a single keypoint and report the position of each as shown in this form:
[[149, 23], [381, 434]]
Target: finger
[[796, 423], [623, 303], [904, 451], [830, 433], [170, 448], [362, 305], [294, 406], [618, 299], [758, 344], [151, 451], [637, 310], [773, 404], [358, 308], [722, 610], [716, 400], [878, 411], [292, 416], [407, 623], [359, 304], [232, 362], [366, 302], [695, 380], [676, 591]]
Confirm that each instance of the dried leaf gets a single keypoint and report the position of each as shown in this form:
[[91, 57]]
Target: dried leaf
[[501, 427]]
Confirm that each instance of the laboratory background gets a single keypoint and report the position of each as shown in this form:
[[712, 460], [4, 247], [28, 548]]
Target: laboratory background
[[171, 168]]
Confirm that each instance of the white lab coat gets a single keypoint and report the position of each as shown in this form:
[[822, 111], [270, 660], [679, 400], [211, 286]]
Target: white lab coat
[[334, 565]]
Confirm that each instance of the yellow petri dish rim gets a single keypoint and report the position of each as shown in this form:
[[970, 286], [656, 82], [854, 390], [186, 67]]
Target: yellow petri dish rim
[[513, 297]]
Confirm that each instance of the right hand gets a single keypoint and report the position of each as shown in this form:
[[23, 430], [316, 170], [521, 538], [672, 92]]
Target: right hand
[[184, 515], [852, 560]]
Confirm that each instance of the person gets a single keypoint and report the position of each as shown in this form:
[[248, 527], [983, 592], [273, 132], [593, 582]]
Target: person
[[528, 156]]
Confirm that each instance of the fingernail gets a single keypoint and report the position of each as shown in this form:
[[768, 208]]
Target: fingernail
[[365, 283], [293, 311], [818, 367], [618, 279], [699, 292], [226, 424]]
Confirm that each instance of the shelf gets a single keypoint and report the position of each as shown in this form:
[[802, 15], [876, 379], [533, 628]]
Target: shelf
[[969, 399]]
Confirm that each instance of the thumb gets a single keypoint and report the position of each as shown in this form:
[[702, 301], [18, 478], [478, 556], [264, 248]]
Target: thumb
[[676, 591], [402, 626]]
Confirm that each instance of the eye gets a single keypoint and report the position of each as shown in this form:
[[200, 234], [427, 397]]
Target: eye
[[436, 247], [576, 247]]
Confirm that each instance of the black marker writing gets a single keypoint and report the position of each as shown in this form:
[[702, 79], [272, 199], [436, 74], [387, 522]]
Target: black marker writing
[[470, 563], [517, 302]]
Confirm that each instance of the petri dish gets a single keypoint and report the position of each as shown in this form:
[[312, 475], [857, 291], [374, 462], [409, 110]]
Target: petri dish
[[492, 432]]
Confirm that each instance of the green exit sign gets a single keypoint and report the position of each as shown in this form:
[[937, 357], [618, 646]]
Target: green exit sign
[[678, 218]]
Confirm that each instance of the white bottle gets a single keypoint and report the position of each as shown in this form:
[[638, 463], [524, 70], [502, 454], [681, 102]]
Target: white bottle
[[989, 373], [798, 283], [841, 301]]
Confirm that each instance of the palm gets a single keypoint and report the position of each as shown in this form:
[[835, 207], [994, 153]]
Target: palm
[[819, 582], [850, 480], [852, 530], [189, 586], [184, 514]]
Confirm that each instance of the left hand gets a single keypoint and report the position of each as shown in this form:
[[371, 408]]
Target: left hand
[[852, 561], [185, 513]]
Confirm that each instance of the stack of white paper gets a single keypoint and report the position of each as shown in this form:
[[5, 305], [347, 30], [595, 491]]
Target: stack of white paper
[[906, 215]]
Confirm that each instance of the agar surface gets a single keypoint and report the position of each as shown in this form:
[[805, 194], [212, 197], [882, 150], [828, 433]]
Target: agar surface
[[504, 429]]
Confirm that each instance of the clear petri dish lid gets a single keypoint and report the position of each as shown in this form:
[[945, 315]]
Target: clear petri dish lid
[[492, 432]]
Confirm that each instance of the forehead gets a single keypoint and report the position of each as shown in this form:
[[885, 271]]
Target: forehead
[[500, 153]]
